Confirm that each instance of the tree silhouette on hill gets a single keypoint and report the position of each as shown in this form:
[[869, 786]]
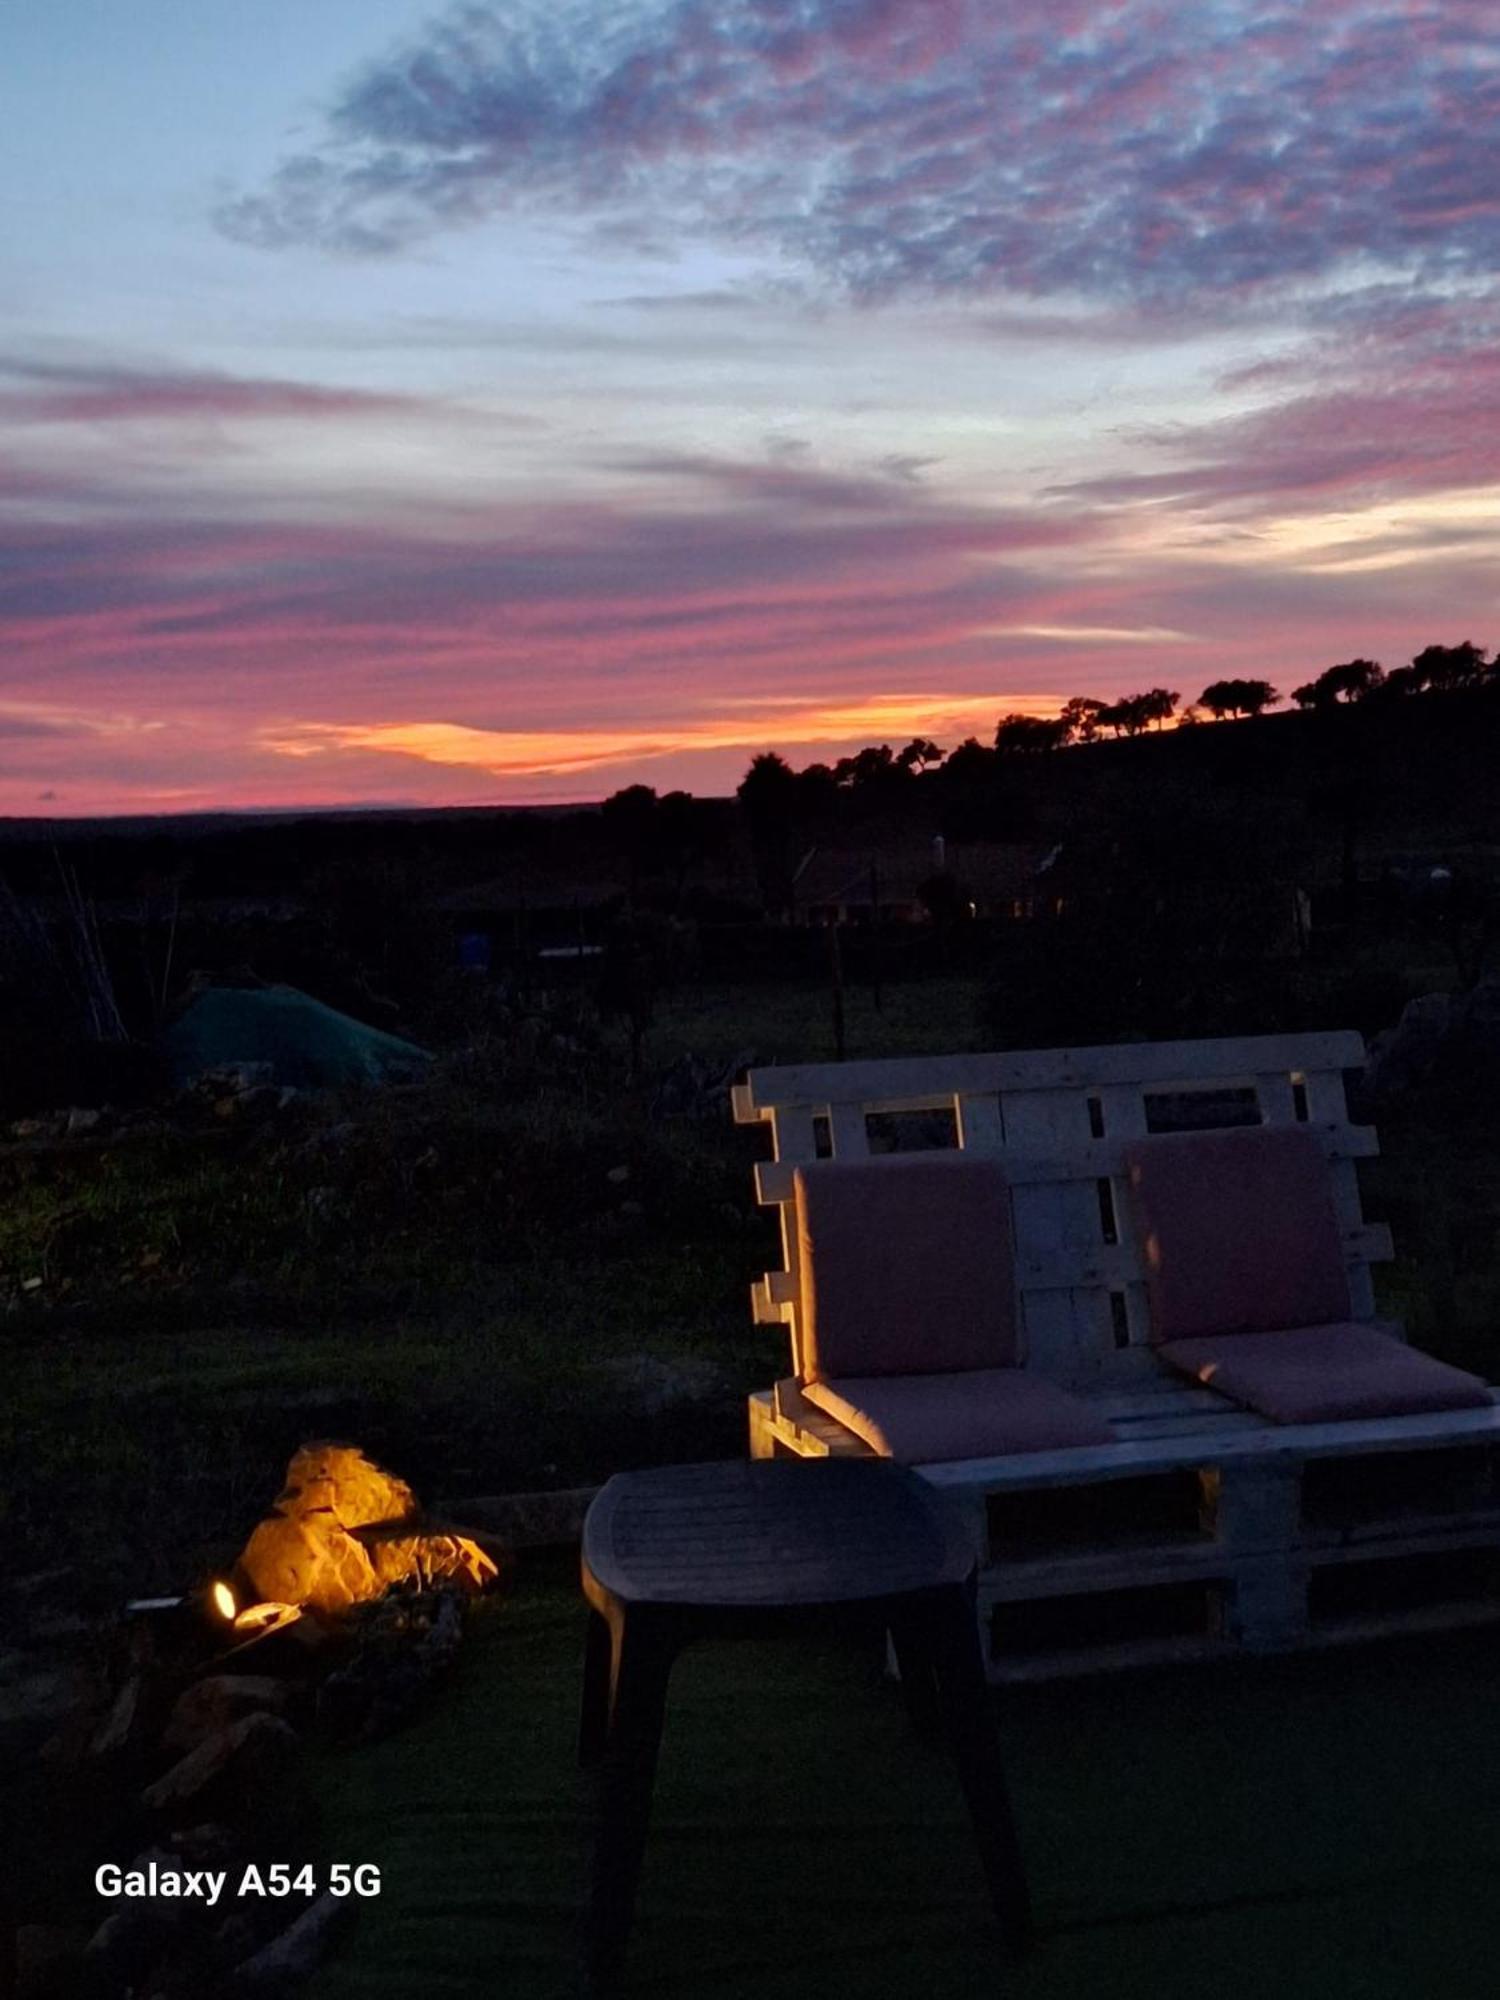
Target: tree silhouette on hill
[[1083, 715], [1030, 735], [1444, 667], [1351, 681], [1133, 714], [769, 796], [1234, 697]]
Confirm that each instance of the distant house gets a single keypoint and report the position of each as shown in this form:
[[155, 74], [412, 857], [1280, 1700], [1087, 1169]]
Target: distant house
[[532, 912], [905, 879]]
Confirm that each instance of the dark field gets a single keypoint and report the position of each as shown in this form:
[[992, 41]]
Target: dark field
[[529, 1270]]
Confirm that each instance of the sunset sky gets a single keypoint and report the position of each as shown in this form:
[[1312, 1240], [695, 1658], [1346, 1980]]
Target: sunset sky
[[519, 401]]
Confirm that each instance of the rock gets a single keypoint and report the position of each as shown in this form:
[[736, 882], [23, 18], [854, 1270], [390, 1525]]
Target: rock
[[304, 1553], [617, 1176], [120, 1724], [317, 1563], [452, 1558], [63, 1625], [34, 1689], [1481, 1018], [251, 1770], [41, 1583], [49, 1962], [407, 1644], [1440, 1036], [210, 1706], [1406, 1054], [131, 1939], [210, 1845], [229, 1079], [300, 1948], [240, 1936], [340, 1478]]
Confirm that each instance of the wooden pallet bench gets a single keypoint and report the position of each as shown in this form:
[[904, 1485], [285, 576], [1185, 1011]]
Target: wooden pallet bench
[[1204, 1529]]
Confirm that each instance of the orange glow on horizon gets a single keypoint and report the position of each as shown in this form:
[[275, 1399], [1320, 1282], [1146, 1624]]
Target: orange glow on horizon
[[750, 725]]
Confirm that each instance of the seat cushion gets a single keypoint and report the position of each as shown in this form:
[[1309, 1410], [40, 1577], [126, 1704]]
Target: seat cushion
[[906, 1266], [1240, 1233], [1320, 1374], [920, 1419]]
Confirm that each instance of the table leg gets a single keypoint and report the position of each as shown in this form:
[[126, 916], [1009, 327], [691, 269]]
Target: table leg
[[914, 1666], [593, 1718], [964, 1700], [645, 1642]]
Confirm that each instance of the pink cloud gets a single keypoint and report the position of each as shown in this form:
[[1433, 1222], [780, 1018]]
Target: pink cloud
[[1190, 156], [56, 394], [1385, 404]]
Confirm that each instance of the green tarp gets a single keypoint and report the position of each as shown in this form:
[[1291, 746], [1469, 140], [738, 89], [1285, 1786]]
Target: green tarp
[[304, 1042]]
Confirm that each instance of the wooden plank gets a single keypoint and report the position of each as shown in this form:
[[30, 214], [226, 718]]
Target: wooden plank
[[1165, 1396], [1052, 1230], [762, 1433], [1327, 1100], [1104, 1159], [771, 1297], [1255, 1504], [981, 1126], [1405, 1535], [1450, 1617], [818, 1434], [764, 1310], [1058, 1223], [1267, 1606], [1274, 1094], [1106, 1569], [793, 1140], [1091, 1161], [1123, 1106], [792, 1133], [1082, 1463], [1190, 1424], [1205, 1440], [1160, 1064], [848, 1131]]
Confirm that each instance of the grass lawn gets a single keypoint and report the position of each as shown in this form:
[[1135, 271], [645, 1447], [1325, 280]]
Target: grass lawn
[[1322, 1826], [150, 1451], [793, 1021]]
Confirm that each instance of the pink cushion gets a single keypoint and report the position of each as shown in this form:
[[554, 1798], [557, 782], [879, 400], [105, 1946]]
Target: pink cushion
[[1240, 1231], [906, 1265], [1320, 1374], [919, 1419]]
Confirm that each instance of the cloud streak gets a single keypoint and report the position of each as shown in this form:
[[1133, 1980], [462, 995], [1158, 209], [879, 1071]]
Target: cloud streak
[[1369, 411], [1134, 152], [53, 393]]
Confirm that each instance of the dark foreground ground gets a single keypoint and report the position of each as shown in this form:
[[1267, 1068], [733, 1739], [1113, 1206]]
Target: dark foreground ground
[[501, 1283], [1328, 1825]]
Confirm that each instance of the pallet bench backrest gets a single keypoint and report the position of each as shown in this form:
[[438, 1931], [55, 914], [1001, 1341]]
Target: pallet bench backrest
[[1060, 1120]]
